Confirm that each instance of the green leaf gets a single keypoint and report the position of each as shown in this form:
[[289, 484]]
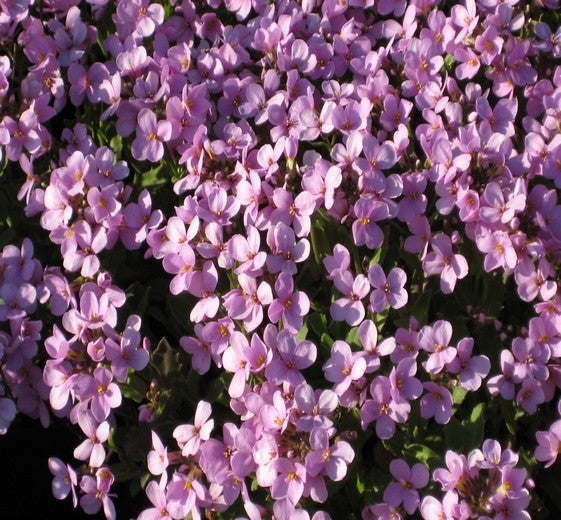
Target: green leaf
[[326, 340], [476, 425], [467, 434], [456, 435], [337, 329], [318, 323], [190, 388], [154, 177], [166, 358], [122, 471], [112, 441], [421, 307], [458, 395], [477, 413], [493, 294], [145, 478], [179, 307], [352, 338], [217, 391], [139, 297], [134, 487], [319, 242], [168, 9], [116, 144], [302, 333], [135, 388], [378, 256], [423, 454]]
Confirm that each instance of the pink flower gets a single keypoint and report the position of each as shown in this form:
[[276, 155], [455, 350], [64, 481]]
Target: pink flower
[[503, 383], [365, 229], [338, 262], [443, 261], [246, 251], [343, 367], [102, 394], [315, 407], [149, 136], [203, 284], [549, 443], [65, 480], [240, 7], [323, 183], [285, 251], [142, 15], [293, 211], [437, 403], [274, 417], [8, 413], [92, 447], [199, 349], [247, 302], [383, 408], [218, 206], [494, 208], [125, 354], [387, 290], [189, 437], [419, 241], [157, 458], [290, 305], [95, 496], [235, 359], [157, 496], [530, 396], [368, 336], [180, 264], [435, 340], [431, 508], [331, 460], [408, 481], [91, 242], [471, 369], [499, 250], [185, 495], [469, 63], [292, 357], [350, 308], [289, 482], [404, 386]]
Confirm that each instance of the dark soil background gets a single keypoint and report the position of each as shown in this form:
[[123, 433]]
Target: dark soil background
[[25, 479]]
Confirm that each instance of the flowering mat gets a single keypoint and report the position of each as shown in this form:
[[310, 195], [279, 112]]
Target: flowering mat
[[282, 259]]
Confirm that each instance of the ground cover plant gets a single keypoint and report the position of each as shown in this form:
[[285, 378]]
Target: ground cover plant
[[293, 259]]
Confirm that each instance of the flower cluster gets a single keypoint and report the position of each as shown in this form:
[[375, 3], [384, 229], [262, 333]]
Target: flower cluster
[[86, 362], [322, 185], [286, 440], [21, 285], [450, 366], [485, 484]]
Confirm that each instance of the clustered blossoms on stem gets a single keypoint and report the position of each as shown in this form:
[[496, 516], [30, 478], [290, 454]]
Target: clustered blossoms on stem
[[485, 485], [87, 361], [391, 396], [299, 142], [21, 382]]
